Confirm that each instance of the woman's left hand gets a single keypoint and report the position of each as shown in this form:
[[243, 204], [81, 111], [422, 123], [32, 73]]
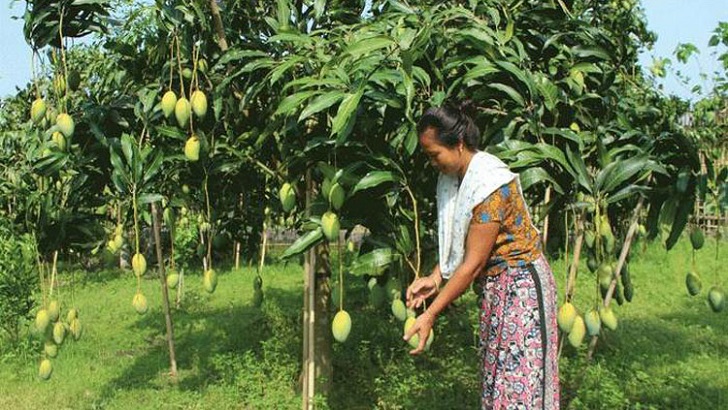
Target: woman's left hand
[[422, 327]]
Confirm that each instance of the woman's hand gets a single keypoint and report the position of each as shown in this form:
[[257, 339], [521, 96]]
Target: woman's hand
[[420, 290], [422, 328]]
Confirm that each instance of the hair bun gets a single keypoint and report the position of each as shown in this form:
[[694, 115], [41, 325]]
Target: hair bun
[[467, 107]]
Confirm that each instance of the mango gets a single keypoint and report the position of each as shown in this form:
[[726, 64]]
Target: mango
[[341, 326], [169, 101]]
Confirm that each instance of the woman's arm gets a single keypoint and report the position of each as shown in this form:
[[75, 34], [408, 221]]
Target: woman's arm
[[479, 243]]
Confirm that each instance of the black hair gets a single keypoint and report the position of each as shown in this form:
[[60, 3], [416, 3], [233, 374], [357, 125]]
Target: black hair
[[453, 124]]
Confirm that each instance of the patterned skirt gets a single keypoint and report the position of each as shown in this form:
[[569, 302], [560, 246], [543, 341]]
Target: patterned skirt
[[519, 338]]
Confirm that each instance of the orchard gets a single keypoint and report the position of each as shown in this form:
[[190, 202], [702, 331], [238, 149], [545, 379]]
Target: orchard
[[220, 204]]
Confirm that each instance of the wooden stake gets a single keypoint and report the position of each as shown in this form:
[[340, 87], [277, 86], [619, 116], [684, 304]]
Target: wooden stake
[[165, 291], [618, 269]]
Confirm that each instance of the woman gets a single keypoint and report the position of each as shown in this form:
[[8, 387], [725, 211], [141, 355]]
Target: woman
[[486, 236]]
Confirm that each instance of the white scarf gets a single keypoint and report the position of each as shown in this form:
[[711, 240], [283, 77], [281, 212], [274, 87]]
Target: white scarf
[[485, 174]]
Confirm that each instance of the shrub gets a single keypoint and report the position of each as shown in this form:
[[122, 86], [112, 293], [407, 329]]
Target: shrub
[[18, 279]]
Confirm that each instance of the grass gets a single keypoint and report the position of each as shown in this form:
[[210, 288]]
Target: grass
[[669, 351]]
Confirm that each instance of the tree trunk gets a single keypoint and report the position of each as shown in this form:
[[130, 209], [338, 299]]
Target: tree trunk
[[165, 291], [317, 367]]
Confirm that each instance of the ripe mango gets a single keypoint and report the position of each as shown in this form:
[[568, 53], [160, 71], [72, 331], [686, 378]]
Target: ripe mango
[[209, 281], [72, 314], [140, 303], [45, 370], [341, 326], [287, 197], [65, 124], [37, 110], [566, 316], [192, 148], [199, 103], [42, 320], [577, 333], [54, 309], [76, 328], [182, 111], [172, 280], [169, 101], [608, 318], [139, 264], [50, 349], [399, 310], [414, 341], [59, 333], [330, 225], [59, 140]]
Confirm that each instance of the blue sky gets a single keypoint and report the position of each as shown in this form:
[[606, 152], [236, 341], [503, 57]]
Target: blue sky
[[674, 21]]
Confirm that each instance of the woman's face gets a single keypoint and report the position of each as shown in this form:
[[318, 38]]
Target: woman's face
[[444, 159]]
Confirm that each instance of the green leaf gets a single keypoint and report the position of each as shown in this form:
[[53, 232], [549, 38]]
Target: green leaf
[[684, 210], [581, 173], [521, 75], [593, 51], [617, 173], [291, 103], [374, 262], [510, 91], [153, 167], [303, 243], [367, 45], [346, 112], [533, 175], [278, 72], [127, 143], [374, 178], [321, 103]]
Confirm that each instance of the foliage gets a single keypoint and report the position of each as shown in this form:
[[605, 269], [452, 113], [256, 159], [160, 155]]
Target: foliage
[[668, 351], [18, 279]]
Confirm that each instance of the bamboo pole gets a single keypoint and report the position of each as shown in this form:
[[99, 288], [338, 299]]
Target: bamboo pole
[[618, 269], [165, 291]]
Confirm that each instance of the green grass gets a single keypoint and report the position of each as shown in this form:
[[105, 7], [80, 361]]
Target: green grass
[[669, 351]]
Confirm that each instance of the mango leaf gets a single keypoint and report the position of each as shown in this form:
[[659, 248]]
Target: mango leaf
[[367, 45], [303, 243], [346, 112], [626, 192], [374, 178], [684, 210], [292, 102], [534, 175], [510, 91], [321, 103], [374, 262], [278, 72], [519, 74], [580, 171], [617, 173]]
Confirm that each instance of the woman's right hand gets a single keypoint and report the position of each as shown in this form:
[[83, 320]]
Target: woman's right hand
[[420, 290]]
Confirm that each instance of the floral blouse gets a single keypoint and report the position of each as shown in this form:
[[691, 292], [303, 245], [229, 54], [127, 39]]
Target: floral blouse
[[518, 242]]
